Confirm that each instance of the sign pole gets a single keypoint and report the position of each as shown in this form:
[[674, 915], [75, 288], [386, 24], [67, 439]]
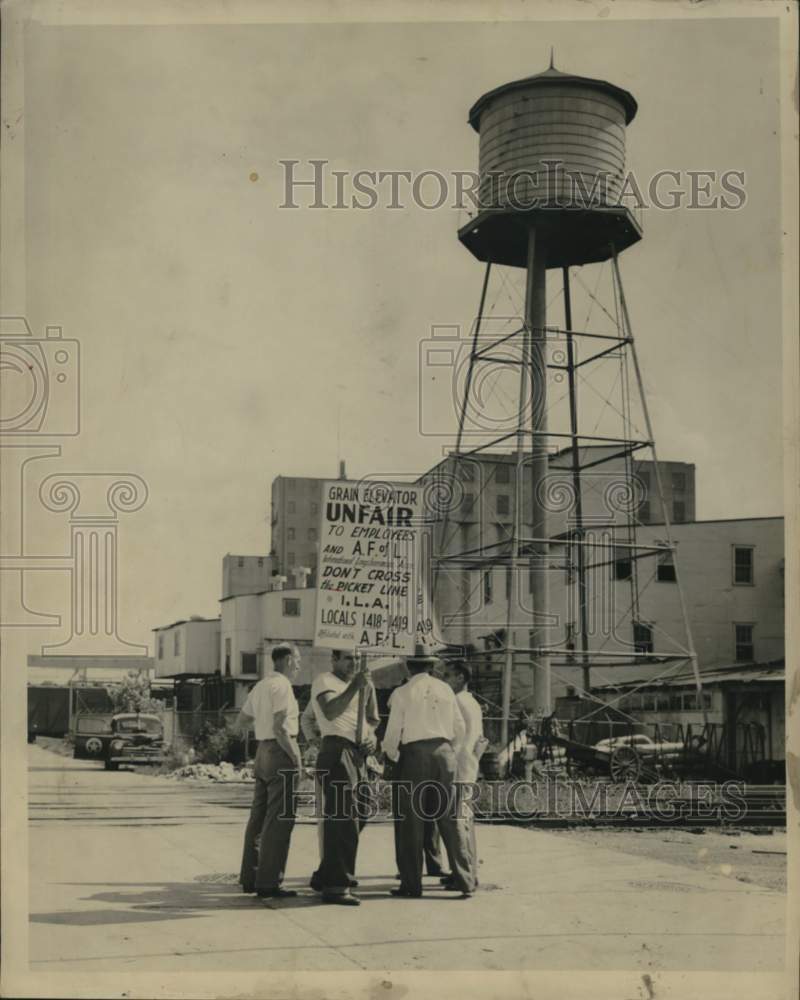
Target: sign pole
[[361, 661]]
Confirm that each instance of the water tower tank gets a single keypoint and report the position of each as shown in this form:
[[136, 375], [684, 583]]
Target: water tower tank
[[552, 155]]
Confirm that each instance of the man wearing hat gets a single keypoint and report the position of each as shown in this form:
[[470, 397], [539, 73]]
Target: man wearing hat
[[426, 720]]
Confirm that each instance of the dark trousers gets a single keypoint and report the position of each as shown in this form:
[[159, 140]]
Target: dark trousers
[[271, 818], [431, 845], [345, 804], [425, 792]]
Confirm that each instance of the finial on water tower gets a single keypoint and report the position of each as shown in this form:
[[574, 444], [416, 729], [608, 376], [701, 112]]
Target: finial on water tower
[[551, 58]]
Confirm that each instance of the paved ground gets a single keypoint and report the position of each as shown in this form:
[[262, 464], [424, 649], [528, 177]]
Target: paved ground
[[135, 872]]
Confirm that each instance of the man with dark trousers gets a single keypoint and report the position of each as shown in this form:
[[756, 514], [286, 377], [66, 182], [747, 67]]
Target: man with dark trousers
[[271, 710], [342, 773], [424, 730], [432, 844]]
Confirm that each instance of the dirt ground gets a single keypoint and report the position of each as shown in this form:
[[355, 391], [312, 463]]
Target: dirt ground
[[744, 855]]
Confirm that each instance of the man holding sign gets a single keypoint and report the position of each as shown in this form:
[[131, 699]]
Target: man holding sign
[[346, 720]]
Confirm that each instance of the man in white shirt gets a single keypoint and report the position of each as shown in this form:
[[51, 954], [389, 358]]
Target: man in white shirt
[[342, 773], [424, 731], [271, 710], [459, 675]]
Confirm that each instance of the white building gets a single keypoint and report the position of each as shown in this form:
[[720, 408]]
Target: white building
[[253, 624], [189, 646]]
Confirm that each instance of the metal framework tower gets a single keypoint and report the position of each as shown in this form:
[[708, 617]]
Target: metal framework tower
[[552, 156]]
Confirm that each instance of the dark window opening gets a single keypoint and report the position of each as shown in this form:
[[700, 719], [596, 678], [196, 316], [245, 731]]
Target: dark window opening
[[743, 564], [642, 637], [665, 571], [622, 568], [745, 650]]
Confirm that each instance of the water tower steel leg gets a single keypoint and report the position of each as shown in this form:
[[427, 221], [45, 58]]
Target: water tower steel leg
[[513, 591], [536, 321], [576, 484], [667, 533]]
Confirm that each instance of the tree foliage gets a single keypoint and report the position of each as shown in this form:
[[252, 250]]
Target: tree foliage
[[132, 694]]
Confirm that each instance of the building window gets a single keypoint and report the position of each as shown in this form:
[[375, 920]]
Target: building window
[[503, 503], [743, 565], [745, 650], [622, 567], [291, 507], [291, 607], [509, 571], [290, 534], [468, 503], [290, 485], [161, 647], [665, 571], [240, 562], [249, 663], [644, 477], [678, 482], [260, 561], [644, 512], [315, 508], [176, 643], [502, 474], [290, 558], [678, 511], [312, 534], [642, 637], [227, 657], [487, 587]]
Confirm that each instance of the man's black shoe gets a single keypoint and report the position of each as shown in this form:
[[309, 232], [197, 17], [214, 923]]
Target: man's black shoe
[[342, 898], [352, 882], [405, 893], [276, 893]]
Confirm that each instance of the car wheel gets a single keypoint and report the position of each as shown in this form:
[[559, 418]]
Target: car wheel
[[94, 745]]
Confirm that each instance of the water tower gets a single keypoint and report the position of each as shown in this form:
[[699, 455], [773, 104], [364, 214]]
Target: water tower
[[552, 169]]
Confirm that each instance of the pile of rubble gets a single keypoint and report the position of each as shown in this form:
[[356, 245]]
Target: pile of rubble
[[226, 772]]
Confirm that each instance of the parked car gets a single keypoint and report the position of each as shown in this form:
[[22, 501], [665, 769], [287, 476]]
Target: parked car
[[134, 739], [90, 735]]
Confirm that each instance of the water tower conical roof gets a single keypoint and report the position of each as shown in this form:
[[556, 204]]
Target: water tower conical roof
[[549, 77]]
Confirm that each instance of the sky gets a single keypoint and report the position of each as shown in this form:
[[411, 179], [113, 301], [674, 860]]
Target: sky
[[225, 340]]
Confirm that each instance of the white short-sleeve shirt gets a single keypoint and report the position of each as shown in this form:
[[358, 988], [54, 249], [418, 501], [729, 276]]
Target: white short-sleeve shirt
[[272, 694], [344, 725]]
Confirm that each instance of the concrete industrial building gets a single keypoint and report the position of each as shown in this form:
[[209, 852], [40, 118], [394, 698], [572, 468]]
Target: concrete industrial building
[[294, 521], [731, 570]]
